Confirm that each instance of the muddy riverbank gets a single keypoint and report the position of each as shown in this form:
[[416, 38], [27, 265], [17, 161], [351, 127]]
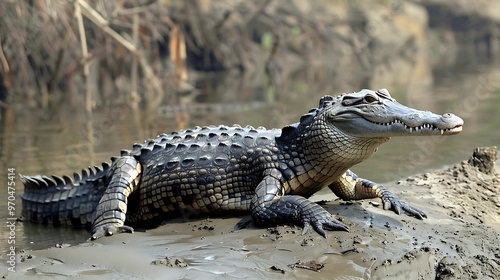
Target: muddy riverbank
[[459, 239]]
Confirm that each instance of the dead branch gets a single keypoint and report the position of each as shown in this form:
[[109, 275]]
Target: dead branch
[[102, 23], [133, 75], [3, 59], [85, 53]]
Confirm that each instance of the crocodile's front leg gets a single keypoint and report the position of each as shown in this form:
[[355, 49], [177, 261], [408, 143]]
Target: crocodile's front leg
[[110, 214], [270, 206], [351, 187]]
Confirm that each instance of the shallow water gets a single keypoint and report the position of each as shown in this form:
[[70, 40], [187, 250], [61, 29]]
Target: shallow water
[[60, 141]]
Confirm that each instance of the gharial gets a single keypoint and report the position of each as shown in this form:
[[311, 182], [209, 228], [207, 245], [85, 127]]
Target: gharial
[[270, 173]]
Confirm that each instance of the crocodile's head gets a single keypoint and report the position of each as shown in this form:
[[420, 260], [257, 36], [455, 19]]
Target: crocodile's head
[[369, 114], [349, 128]]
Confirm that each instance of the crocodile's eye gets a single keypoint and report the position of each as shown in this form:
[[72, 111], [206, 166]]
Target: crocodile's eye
[[370, 98]]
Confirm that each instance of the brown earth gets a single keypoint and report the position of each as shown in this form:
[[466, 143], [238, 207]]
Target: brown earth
[[459, 240]]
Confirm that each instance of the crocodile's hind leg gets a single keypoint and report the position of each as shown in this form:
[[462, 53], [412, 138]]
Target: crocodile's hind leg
[[109, 217], [350, 187]]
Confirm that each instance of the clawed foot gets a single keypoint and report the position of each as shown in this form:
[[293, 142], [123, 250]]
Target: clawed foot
[[393, 202], [109, 230], [320, 220]]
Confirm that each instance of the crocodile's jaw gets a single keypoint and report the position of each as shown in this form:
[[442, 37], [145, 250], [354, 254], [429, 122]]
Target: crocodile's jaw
[[379, 115], [359, 126]]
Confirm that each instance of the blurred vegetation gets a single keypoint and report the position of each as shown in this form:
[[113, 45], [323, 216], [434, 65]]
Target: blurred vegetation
[[131, 50], [141, 46]]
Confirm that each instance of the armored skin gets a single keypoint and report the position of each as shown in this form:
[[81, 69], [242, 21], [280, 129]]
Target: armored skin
[[269, 173]]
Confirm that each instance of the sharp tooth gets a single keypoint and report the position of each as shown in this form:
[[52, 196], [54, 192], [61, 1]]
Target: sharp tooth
[[411, 128], [442, 131]]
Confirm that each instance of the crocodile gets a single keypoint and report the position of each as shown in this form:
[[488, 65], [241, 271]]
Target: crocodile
[[270, 173]]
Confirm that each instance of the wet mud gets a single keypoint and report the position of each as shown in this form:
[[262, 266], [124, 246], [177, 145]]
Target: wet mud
[[460, 239]]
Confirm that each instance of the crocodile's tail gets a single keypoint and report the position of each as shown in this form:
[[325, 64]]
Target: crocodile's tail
[[64, 200]]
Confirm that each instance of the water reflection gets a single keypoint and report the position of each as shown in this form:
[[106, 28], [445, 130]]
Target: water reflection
[[63, 141]]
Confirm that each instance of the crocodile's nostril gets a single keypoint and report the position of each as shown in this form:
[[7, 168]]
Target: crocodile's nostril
[[414, 116]]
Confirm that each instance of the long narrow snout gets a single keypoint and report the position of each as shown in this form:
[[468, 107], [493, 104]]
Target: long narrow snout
[[388, 118]]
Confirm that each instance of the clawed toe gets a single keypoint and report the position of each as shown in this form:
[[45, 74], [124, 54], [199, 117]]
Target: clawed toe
[[109, 231], [398, 205], [321, 223]]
